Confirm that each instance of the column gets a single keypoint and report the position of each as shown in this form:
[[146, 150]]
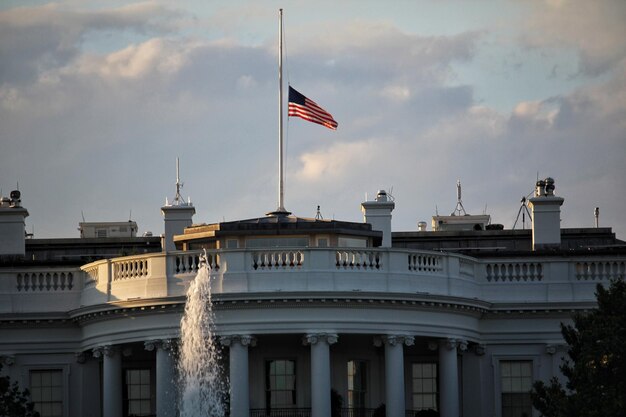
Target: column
[[165, 388], [320, 371], [449, 377], [239, 373], [111, 380], [394, 372]]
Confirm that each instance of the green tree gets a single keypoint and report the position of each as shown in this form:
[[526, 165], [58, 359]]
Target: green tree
[[13, 402], [596, 368]]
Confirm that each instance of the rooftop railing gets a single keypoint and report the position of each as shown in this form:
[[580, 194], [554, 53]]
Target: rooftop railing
[[339, 270]]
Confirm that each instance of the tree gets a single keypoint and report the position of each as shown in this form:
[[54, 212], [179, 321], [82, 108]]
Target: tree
[[13, 402], [596, 368]]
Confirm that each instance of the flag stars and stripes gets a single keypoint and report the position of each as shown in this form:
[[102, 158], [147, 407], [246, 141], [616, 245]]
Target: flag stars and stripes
[[307, 109]]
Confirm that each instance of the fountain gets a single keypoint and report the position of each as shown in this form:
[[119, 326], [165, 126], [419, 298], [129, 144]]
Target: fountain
[[202, 386]]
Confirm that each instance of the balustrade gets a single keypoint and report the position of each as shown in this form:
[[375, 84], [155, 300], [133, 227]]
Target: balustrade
[[277, 259], [45, 281], [425, 263], [358, 259], [130, 268], [189, 262], [600, 270], [514, 271]]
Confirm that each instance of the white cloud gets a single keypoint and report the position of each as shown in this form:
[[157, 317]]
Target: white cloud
[[108, 125], [595, 29], [36, 39]]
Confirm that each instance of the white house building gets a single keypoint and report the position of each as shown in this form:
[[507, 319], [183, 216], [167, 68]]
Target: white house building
[[459, 320]]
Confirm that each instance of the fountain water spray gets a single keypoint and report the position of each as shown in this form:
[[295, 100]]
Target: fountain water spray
[[201, 383]]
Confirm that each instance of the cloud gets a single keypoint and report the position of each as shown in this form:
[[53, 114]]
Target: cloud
[[595, 29], [36, 39], [107, 125]]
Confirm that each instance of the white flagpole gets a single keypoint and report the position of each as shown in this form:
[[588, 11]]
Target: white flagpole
[[281, 190]]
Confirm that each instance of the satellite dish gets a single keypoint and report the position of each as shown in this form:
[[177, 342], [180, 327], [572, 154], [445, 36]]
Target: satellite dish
[[15, 195]]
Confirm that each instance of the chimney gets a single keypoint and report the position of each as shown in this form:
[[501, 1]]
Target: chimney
[[176, 218], [546, 216], [378, 214], [12, 225]]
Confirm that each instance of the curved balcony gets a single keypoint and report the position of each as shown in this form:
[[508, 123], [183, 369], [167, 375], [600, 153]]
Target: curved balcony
[[249, 273]]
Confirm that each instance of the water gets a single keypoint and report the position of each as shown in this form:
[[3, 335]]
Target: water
[[201, 383]]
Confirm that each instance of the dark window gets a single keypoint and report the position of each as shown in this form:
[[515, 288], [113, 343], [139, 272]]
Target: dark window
[[516, 381], [46, 391], [357, 384], [280, 383], [424, 386], [138, 392]]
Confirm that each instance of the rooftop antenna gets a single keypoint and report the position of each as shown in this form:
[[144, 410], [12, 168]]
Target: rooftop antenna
[[82, 215], [459, 204], [178, 198], [318, 215], [523, 210], [130, 215], [596, 215]]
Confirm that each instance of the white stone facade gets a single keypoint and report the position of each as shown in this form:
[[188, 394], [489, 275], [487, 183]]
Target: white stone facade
[[389, 308]]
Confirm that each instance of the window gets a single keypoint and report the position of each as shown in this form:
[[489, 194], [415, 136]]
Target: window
[[278, 242], [351, 242], [280, 383], [46, 391], [101, 232], [138, 401], [516, 381], [357, 384], [322, 242], [424, 386], [232, 244]]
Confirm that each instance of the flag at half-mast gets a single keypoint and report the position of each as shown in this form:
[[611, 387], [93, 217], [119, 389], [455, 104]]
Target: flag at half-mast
[[307, 109]]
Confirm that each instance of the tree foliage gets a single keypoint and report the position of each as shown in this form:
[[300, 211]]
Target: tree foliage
[[596, 368], [13, 401]]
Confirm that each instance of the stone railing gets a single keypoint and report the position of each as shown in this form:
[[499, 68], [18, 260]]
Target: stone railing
[[277, 259], [600, 270], [45, 281], [130, 268], [36, 289], [425, 262], [301, 270], [359, 259], [513, 271]]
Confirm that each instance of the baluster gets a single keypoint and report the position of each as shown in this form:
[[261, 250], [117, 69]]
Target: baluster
[[18, 282], [70, 280], [55, 281], [47, 282]]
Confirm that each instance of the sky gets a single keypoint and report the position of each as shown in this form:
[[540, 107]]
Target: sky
[[99, 98]]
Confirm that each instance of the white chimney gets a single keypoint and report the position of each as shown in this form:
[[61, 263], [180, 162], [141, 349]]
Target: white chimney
[[378, 214], [176, 218], [12, 225], [546, 216]]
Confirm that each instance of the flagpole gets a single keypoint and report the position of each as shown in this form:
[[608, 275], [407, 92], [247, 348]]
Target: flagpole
[[281, 189]]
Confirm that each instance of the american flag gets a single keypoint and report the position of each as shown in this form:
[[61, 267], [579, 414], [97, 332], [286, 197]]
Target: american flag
[[307, 109]]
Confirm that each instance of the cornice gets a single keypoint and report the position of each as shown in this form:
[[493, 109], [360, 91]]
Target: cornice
[[283, 300]]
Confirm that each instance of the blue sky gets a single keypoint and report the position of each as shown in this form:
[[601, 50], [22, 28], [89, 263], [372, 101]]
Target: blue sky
[[98, 98]]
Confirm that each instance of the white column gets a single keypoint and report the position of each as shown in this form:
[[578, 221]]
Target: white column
[[394, 372], [111, 380], [239, 373], [320, 372], [449, 377], [165, 388]]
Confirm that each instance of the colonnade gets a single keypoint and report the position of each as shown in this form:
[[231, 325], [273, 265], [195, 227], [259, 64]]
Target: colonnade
[[320, 384]]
